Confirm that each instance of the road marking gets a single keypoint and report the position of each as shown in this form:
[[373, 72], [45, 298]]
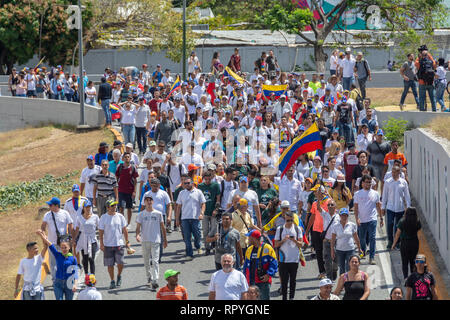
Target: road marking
[[385, 260]]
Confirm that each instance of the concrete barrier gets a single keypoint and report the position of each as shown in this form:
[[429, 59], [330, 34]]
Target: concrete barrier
[[429, 173], [16, 112], [414, 118]]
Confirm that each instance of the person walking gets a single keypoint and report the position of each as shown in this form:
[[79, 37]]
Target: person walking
[[377, 150], [211, 191], [90, 292], [408, 73], [344, 241], [150, 230], [104, 98], [142, 125], [395, 200], [441, 84], [128, 110], [127, 175], [105, 188], [325, 287], [426, 67], [228, 283], [407, 229], [347, 66], [362, 70], [366, 206], [191, 205], [421, 284], [30, 268], [288, 241], [330, 219], [112, 229], [173, 290], [86, 183], [260, 264], [355, 282], [66, 276]]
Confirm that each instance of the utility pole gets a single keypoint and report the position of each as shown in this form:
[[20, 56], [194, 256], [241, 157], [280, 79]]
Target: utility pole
[[184, 40], [80, 62]]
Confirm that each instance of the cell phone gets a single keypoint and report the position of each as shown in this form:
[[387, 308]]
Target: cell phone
[[292, 237]]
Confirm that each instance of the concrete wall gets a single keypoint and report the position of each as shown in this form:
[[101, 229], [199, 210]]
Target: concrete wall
[[18, 112], [415, 118], [429, 173]]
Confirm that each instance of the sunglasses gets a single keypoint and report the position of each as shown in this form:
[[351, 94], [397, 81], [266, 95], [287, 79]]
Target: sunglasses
[[331, 205], [420, 261]]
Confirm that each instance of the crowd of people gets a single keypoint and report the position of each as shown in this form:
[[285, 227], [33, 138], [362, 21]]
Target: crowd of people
[[210, 149]]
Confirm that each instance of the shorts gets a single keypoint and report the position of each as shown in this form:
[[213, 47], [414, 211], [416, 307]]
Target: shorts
[[125, 200], [113, 255]]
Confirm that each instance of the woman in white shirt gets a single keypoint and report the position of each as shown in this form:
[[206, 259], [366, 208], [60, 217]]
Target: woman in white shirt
[[441, 84], [85, 228], [344, 240], [304, 164], [128, 120], [334, 61], [91, 94], [116, 93]]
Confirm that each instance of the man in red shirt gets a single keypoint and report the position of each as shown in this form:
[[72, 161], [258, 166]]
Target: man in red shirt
[[153, 104], [126, 175], [350, 162]]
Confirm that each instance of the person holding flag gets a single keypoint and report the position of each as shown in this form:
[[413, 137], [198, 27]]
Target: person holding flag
[[175, 86]]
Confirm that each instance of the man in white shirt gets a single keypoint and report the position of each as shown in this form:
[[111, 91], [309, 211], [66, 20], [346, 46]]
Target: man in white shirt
[[334, 87], [279, 107], [396, 199], [306, 87], [30, 268], [228, 283], [330, 219], [152, 223], [190, 210], [86, 183], [366, 206], [289, 188], [192, 157], [60, 223], [191, 100], [200, 88], [325, 287], [90, 292], [347, 66]]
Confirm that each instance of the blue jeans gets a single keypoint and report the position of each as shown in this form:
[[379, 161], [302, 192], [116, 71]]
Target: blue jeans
[[264, 290], [141, 137], [392, 219], [60, 289], [191, 227], [368, 229], [406, 85], [129, 132], [342, 259], [423, 89], [346, 82], [346, 130], [440, 89], [69, 97], [105, 107], [57, 96], [24, 95]]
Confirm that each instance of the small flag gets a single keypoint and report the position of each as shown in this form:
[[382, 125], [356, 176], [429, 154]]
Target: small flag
[[229, 73], [176, 85], [277, 90], [115, 111]]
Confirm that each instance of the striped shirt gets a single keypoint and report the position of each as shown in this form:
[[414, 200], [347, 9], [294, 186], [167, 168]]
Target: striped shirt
[[165, 293], [105, 184]]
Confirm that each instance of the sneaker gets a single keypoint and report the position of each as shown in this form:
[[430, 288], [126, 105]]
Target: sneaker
[[112, 285], [149, 280], [389, 246], [207, 252], [372, 261], [200, 251], [176, 229], [168, 230], [154, 285], [119, 281], [279, 291], [401, 106], [190, 258]]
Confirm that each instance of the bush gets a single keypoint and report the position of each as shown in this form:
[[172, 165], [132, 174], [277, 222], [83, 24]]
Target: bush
[[394, 129]]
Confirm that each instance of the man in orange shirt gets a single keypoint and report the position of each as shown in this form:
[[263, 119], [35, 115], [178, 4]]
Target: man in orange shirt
[[316, 222], [391, 156], [172, 291], [426, 66]]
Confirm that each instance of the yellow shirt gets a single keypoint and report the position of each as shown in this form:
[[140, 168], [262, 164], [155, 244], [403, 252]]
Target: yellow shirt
[[337, 197], [239, 225]]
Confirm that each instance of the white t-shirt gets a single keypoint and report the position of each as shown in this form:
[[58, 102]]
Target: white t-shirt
[[367, 200], [175, 175], [161, 200], [90, 293], [289, 251], [86, 175], [31, 271], [128, 116], [344, 236], [228, 186], [32, 81], [150, 225], [192, 63], [191, 202], [62, 218], [347, 67], [112, 226], [228, 286], [142, 116]]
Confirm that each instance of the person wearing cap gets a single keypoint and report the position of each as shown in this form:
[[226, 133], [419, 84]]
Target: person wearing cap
[[85, 238], [86, 184], [172, 291], [112, 233], [371, 123], [288, 241], [330, 219], [280, 105], [325, 288], [289, 188], [59, 224], [117, 145], [377, 150], [191, 205], [102, 153], [157, 75], [250, 196], [347, 66], [90, 292], [335, 87], [151, 232], [260, 263]]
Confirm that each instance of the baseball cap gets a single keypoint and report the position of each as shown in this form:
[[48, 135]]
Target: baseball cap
[[318, 158], [144, 65], [343, 211], [325, 282], [348, 49], [170, 273], [111, 202], [152, 143], [87, 203], [75, 187], [156, 164], [341, 178], [212, 166], [103, 144], [54, 200], [117, 143], [243, 178], [351, 145], [89, 279], [90, 157], [306, 80], [283, 96], [129, 145], [364, 125], [243, 202], [148, 195], [301, 128], [309, 179], [285, 204], [258, 118], [289, 213], [192, 167], [380, 132], [158, 65], [254, 234], [336, 130]]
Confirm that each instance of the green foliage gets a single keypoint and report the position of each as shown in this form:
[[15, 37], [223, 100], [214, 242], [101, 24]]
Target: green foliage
[[394, 129], [19, 194], [280, 18]]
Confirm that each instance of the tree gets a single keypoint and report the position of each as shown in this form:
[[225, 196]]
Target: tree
[[428, 14], [143, 23], [20, 24]]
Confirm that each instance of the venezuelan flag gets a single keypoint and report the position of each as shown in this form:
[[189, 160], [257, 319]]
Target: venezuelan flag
[[115, 113], [278, 90], [175, 85], [307, 142], [229, 73]]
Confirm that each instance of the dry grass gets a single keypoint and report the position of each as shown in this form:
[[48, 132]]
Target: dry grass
[[388, 96], [58, 153], [17, 138], [440, 127]]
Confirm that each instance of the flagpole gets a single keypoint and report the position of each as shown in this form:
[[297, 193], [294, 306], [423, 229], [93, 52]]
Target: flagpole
[[184, 40]]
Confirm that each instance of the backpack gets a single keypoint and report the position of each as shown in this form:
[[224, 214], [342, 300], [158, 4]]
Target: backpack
[[426, 71], [359, 102]]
